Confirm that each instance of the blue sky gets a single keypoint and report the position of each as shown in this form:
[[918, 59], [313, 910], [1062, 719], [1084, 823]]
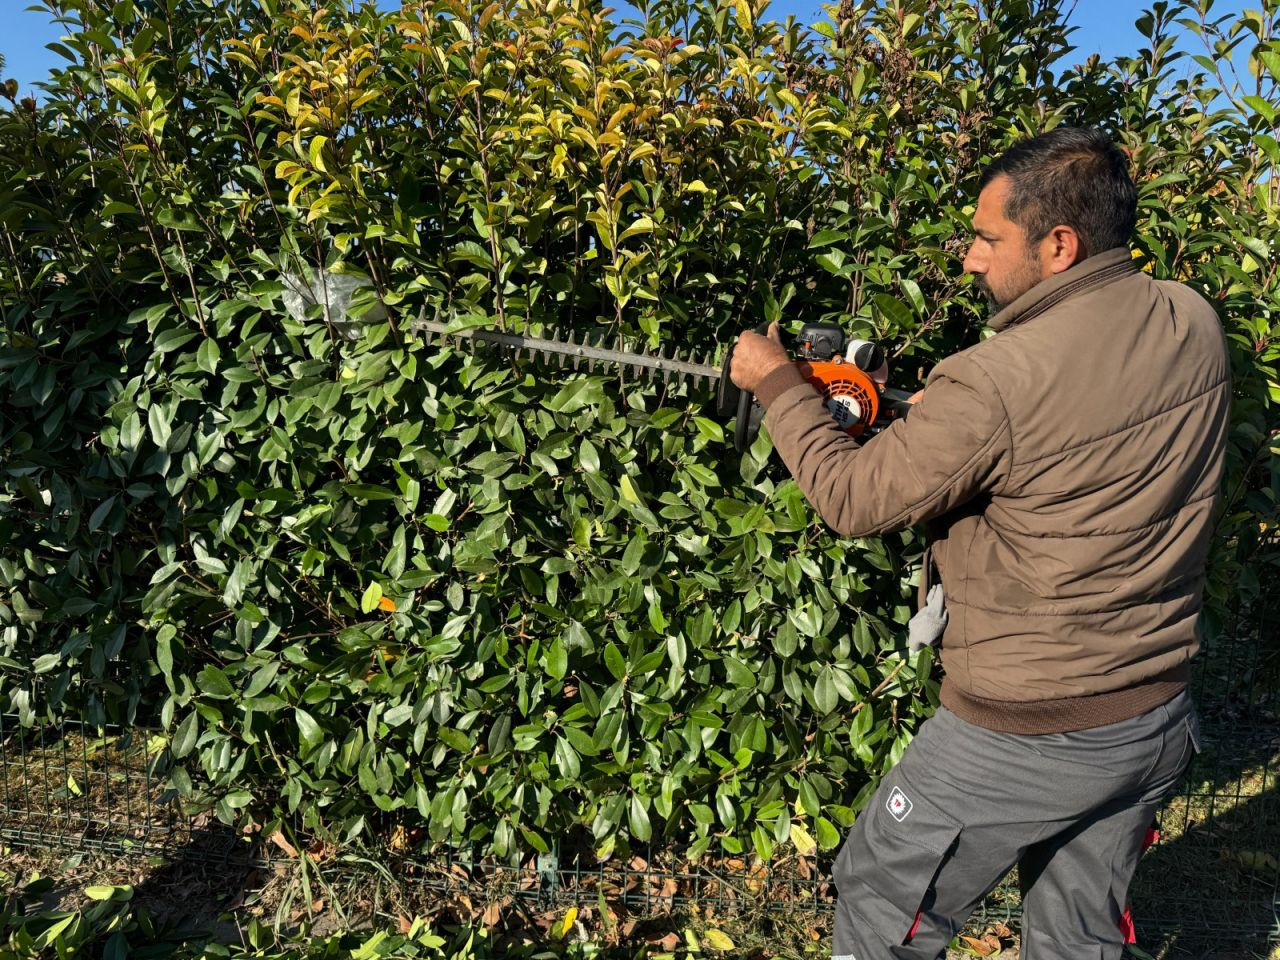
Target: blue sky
[[1104, 26]]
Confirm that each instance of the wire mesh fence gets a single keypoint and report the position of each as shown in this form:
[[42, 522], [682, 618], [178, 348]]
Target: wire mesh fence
[[1217, 865], [1215, 869], [75, 787]]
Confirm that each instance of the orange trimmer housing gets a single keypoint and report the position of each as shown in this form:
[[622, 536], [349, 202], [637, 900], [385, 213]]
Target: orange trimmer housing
[[851, 396]]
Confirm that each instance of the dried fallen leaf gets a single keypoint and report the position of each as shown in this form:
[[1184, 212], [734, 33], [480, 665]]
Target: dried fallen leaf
[[289, 849], [319, 850], [399, 836], [717, 940], [983, 947], [403, 923], [492, 914]]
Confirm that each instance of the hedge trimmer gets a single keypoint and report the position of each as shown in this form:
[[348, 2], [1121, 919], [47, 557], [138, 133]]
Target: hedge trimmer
[[850, 375]]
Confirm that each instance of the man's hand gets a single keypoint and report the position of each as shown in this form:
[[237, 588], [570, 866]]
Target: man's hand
[[755, 357]]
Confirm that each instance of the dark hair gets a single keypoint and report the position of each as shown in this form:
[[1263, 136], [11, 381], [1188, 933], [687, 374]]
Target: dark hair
[[1074, 177]]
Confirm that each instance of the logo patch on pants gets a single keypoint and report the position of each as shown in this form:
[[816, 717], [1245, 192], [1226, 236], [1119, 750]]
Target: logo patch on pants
[[898, 804]]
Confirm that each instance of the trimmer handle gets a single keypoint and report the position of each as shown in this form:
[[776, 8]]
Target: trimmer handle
[[732, 401], [894, 404]]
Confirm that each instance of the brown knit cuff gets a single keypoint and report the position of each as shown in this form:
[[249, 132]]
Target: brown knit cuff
[[1068, 713], [777, 383]]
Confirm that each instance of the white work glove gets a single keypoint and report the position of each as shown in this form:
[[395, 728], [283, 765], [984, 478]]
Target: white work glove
[[925, 628]]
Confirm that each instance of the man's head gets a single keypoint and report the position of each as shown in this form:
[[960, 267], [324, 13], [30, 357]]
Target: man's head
[[1045, 205]]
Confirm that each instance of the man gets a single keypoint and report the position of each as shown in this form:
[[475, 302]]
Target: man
[[1069, 467]]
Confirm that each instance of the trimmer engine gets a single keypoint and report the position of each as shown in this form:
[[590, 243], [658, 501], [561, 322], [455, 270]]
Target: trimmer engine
[[849, 374]]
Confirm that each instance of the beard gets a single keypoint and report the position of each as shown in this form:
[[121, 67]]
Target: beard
[[1025, 276], [993, 303]]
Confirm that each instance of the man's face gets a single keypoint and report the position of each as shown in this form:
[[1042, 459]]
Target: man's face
[[1004, 265]]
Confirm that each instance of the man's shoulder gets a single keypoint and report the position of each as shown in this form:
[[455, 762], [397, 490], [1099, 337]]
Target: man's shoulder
[[1185, 297], [972, 366]]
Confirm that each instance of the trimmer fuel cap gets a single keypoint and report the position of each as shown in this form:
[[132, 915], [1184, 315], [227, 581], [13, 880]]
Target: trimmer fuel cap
[[869, 358]]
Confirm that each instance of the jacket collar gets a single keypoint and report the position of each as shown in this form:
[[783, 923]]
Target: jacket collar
[[1085, 275]]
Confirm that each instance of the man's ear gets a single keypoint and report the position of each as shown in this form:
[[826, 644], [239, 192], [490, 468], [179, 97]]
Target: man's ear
[[1061, 248]]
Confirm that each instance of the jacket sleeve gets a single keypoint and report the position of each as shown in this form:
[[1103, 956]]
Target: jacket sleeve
[[954, 445]]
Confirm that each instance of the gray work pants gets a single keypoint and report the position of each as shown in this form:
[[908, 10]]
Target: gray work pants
[[965, 804]]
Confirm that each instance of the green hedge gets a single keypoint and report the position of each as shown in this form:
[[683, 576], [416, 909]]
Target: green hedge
[[359, 576], [108, 923]]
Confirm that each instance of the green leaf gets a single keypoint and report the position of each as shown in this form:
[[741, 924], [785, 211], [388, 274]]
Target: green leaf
[[454, 738], [828, 835], [638, 817], [212, 682], [738, 673], [614, 660], [184, 738], [825, 237], [122, 892], [893, 310], [370, 491], [629, 492], [832, 262], [164, 648], [178, 220], [575, 395], [557, 660], [709, 429], [208, 355], [310, 735], [704, 475], [825, 695], [131, 431], [472, 252], [369, 599], [100, 514], [809, 799], [315, 152], [171, 340], [158, 421]]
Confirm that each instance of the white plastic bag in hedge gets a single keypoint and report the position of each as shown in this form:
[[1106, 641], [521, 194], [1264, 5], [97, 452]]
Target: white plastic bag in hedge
[[335, 291]]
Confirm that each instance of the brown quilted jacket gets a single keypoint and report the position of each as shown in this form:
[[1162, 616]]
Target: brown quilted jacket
[[1069, 468]]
